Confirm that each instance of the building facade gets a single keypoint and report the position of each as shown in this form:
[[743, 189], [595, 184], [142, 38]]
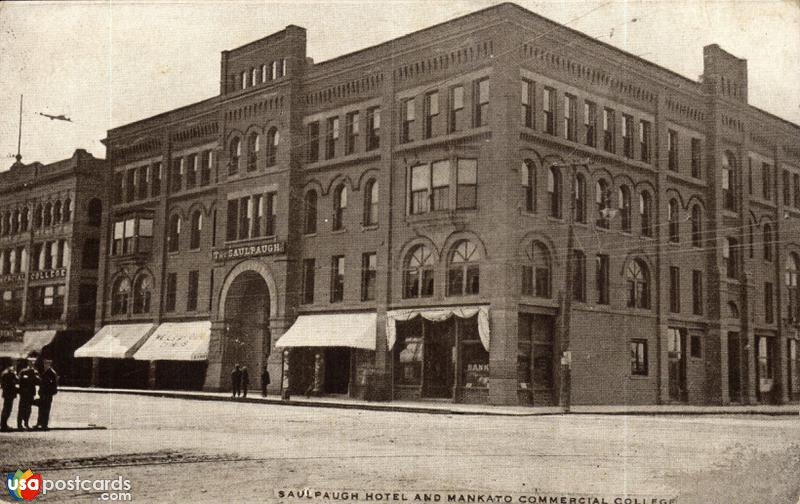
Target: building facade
[[50, 222], [460, 213]]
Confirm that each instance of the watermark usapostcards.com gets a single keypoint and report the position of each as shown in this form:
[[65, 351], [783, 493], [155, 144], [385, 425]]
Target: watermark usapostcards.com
[[25, 485]]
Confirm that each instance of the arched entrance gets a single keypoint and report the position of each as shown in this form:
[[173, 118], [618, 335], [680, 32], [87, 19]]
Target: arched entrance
[[246, 316]]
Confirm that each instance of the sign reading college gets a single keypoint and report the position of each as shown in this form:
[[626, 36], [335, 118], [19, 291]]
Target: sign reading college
[[243, 251]]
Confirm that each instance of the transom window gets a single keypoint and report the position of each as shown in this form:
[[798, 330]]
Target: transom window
[[418, 273], [638, 280], [463, 276]]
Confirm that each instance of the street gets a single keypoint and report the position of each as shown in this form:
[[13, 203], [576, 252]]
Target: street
[[175, 450]]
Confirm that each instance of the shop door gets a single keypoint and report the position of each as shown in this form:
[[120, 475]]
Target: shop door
[[734, 367], [543, 383], [337, 370], [439, 349], [676, 344]]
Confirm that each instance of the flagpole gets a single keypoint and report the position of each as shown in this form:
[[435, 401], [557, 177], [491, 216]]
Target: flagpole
[[19, 136]]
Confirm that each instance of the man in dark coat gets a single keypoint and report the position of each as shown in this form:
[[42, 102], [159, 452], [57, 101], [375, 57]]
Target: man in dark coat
[[28, 379], [8, 382], [264, 381], [236, 380], [48, 387], [245, 381]]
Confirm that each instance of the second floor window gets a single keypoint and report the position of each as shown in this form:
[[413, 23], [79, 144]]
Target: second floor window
[[273, 138], [455, 120], [463, 274], [331, 137], [373, 128], [527, 103], [352, 127], [408, 117], [646, 213], [134, 235], [337, 279], [197, 228], [645, 139], [310, 212], [467, 183], [637, 278], [235, 155], [369, 275], [590, 122], [570, 110], [548, 106], [602, 278], [627, 136], [554, 191], [673, 217], [482, 103], [608, 130], [418, 273], [431, 113], [253, 148], [371, 203], [672, 149], [174, 233], [625, 208], [309, 270], [339, 207]]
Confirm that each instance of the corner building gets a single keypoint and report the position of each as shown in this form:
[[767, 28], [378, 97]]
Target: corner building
[[395, 223]]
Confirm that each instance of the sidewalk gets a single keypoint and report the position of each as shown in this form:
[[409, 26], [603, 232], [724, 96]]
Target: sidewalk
[[448, 408]]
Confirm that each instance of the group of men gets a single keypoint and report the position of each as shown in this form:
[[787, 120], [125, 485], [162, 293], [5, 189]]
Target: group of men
[[240, 381], [23, 381]]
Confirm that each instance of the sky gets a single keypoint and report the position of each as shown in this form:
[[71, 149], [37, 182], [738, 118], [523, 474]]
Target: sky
[[105, 64]]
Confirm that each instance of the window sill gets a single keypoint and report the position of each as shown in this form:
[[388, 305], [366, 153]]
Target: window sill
[[309, 235], [639, 377], [339, 231], [369, 227]]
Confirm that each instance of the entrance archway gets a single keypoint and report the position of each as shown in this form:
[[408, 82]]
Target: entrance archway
[[246, 315]]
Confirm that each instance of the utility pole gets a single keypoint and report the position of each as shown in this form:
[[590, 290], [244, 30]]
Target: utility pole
[[19, 134]]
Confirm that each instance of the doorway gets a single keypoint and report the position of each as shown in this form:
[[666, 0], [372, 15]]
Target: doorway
[[439, 360], [676, 350], [337, 370], [734, 367], [247, 337]]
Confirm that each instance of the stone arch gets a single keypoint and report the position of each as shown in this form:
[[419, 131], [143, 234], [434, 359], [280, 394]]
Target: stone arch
[[456, 237], [255, 266], [413, 242], [366, 175], [337, 180], [536, 236]]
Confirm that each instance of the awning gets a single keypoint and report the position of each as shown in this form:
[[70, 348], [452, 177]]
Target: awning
[[11, 349], [353, 330], [116, 341], [177, 341], [34, 341], [439, 315]]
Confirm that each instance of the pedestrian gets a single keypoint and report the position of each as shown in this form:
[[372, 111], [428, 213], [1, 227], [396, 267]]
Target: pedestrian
[[236, 380], [28, 379], [8, 382], [48, 387], [264, 381], [245, 381]]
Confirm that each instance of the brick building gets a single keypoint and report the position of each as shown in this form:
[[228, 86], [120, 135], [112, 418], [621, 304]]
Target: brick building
[[50, 221], [396, 222]]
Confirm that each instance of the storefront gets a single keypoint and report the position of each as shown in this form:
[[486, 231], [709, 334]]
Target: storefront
[[111, 352], [177, 355]]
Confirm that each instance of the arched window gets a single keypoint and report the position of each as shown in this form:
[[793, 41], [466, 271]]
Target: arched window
[[95, 212], [273, 137], [673, 210], [15, 222], [728, 181], [253, 146], [57, 212], [23, 219], [625, 208], [174, 235], [371, 203], [790, 279], [5, 223], [646, 213], [733, 310], [418, 273], [37, 216], [48, 214], [67, 210], [602, 198], [580, 198], [536, 274], [142, 293], [339, 206], [554, 191], [527, 172], [697, 226], [310, 209], [197, 227], [730, 255], [235, 153], [638, 279], [463, 274], [120, 294], [768, 242]]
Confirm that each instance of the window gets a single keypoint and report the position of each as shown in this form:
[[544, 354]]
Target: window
[[172, 289], [264, 73], [481, 103], [431, 113], [37, 217], [602, 196], [337, 279], [173, 238], [674, 289], [590, 122], [245, 217], [191, 171], [787, 195], [554, 191], [243, 80], [178, 168], [627, 136], [580, 198], [602, 278], [371, 203], [309, 269], [120, 294], [639, 357], [673, 211], [769, 310], [253, 147], [408, 116], [463, 275], [235, 153], [579, 276], [191, 298], [48, 214], [373, 128], [197, 227], [273, 138], [696, 158], [790, 278], [527, 103], [728, 181], [131, 235], [625, 207], [273, 70], [351, 132], [695, 346], [768, 239], [142, 294], [130, 193], [570, 111], [420, 186], [157, 175], [796, 190], [313, 142], [765, 358], [24, 215], [536, 274], [697, 226], [456, 120], [467, 184], [645, 139], [418, 273], [529, 184], [608, 130], [205, 168], [730, 255], [548, 109], [233, 220], [339, 206], [253, 76], [270, 213], [56, 213], [369, 273], [310, 212], [331, 137], [672, 149], [637, 278], [697, 292], [143, 176]]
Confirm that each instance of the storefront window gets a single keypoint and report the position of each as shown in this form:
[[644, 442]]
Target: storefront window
[[409, 352], [474, 357]]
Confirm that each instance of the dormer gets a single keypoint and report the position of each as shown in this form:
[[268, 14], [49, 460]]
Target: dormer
[[724, 74]]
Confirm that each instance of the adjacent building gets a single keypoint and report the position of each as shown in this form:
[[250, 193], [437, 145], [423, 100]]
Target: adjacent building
[[458, 214]]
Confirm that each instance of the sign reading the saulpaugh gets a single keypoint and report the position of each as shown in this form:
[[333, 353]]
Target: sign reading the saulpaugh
[[249, 251]]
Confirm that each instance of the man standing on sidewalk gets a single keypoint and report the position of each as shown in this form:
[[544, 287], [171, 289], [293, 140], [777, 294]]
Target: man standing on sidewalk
[[47, 389], [236, 380], [245, 381], [8, 382], [28, 379], [264, 381]]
